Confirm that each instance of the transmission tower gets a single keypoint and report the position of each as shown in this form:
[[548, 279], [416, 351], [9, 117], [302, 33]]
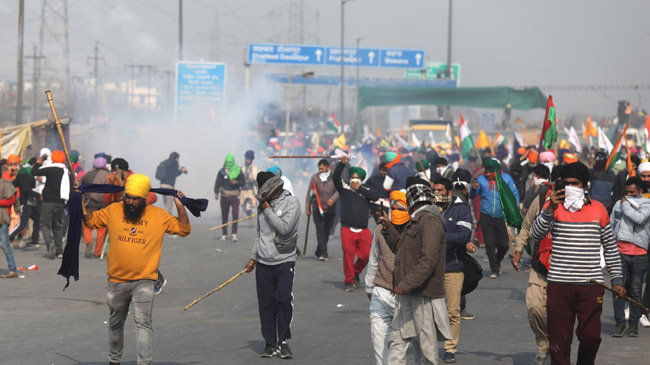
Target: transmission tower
[[55, 45]]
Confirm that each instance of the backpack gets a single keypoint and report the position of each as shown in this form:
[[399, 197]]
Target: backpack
[[161, 171], [473, 273]]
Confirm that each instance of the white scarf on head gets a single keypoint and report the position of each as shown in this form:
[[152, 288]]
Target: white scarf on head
[[64, 193]]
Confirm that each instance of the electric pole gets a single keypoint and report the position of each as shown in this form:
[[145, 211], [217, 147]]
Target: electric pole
[[96, 59], [35, 77], [19, 78], [180, 30]]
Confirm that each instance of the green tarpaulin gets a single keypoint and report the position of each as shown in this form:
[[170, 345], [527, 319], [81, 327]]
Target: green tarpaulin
[[477, 97]]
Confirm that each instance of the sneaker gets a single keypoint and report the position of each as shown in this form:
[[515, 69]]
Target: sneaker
[[59, 255], [33, 244], [644, 321], [51, 251], [157, 289], [540, 359], [269, 351], [494, 276], [619, 330], [349, 287], [466, 315], [9, 275], [20, 242], [89, 250], [233, 238], [223, 238], [322, 258], [634, 330], [449, 358], [285, 351], [357, 282]]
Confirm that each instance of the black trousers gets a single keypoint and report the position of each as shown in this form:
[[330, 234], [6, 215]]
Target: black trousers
[[275, 300], [28, 212], [323, 225], [496, 240]]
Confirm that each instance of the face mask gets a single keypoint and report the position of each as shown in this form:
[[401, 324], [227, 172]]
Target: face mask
[[355, 180], [399, 217], [575, 198], [538, 181], [324, 175], [422, 175]]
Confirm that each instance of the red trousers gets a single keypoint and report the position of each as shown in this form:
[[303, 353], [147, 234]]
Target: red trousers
[[565, 302], [99, 243], [355, 244]]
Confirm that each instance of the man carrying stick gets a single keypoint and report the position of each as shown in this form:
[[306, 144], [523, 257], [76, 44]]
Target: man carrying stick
[[320, 204], [579, 228], [136, 231], [274, 254]]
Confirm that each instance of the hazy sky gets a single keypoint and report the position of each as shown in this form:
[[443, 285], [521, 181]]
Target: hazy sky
[[497, 42]]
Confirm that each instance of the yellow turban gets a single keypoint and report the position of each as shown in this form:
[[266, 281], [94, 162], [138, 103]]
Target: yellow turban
[[138, 185]]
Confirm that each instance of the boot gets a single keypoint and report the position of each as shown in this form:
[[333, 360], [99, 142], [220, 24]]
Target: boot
[[634, 330], [619, 330]]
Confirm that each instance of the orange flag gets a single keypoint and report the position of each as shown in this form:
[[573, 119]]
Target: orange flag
[[590, 129]]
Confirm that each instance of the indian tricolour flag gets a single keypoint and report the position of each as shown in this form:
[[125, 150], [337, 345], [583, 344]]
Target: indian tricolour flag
[[616, 152], [500, 139], [647, 132], [466, 142], [334, 124]]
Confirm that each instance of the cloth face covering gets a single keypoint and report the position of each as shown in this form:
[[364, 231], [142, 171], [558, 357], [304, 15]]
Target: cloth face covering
[[355, 180], [537, 181], [324, 175], [575, 198]]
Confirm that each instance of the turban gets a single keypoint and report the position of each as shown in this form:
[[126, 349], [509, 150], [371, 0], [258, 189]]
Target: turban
[[547, 156], [571, 158], [11, 159], [45, 151], [121, 163], [422, 165], [58, 156], [275, 170], [250, 155], [25, 170], [521, 151], [138, 185], [491, 164], [99, 163], [645, 166], [74, 156], [532, 156], [359, 171], [399, 217], [390, 156], [576, 170]]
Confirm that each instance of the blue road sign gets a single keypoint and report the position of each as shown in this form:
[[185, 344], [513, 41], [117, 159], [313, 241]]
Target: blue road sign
[[200, 90], [295, 54], [367, 57], [286, 54]]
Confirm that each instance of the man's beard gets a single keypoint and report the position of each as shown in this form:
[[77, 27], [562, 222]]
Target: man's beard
[[133, 215], [646, 186]]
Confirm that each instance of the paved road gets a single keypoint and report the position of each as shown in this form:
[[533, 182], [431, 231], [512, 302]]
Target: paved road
[[41, 324]]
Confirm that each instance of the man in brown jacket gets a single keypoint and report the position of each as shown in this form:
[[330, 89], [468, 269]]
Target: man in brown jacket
[[320, 204], [418, 277]]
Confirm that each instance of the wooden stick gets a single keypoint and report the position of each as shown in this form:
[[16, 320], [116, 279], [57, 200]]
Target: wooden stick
[[214, 290], [57, 122], [101, 257], [512, 246], [300, 156], [304, 249], [626, 298], [424, 171], [229, 223]]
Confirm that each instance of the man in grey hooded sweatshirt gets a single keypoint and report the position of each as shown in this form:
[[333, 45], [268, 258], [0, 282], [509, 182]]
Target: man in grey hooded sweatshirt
[[274, 254]]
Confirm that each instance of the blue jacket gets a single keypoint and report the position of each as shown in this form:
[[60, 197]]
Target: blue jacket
[[631, 221], [458, 231], [601, 187], [398, 174], [490, 203]]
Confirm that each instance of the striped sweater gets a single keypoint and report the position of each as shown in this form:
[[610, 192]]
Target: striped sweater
[[577, 239]]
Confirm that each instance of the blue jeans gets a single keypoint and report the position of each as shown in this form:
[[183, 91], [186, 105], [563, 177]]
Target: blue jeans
[[634, 268], [6, 247]]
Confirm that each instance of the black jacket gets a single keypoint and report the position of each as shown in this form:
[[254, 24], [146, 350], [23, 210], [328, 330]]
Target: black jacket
[[171, 172], [25, 183], [53, 175], [355, 205], [223, 182]]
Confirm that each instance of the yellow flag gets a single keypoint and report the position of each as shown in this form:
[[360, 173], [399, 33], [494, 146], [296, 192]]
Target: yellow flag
[[340, 142], [482, 141]]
